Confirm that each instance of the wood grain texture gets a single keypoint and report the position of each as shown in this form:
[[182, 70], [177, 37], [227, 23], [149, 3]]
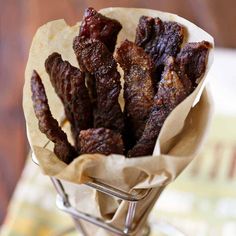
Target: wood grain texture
[[12, 138], [19, 20]]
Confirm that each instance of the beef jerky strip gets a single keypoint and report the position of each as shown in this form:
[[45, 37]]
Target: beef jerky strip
[[101, 140], [96, 26], [159, 39], [69, 84], [98, 60], [193, 54], [138, 87], [172, 90], [178, 81], [47, 124]]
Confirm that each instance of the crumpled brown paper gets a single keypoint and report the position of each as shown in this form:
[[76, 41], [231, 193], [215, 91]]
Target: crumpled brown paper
[[179, 141]]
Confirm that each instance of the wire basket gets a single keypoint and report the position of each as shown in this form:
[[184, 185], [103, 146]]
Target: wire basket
[[129, 228]]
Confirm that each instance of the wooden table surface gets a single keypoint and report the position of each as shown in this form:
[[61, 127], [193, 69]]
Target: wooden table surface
[[19, 20]]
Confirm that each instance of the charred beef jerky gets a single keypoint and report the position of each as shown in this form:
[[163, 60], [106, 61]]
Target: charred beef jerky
[[192, 60], [47, 124], [98, 26], [159, 39], [172, 90], [69, 84], [101, 140], [138, 87], [173, 87], [98, 61]]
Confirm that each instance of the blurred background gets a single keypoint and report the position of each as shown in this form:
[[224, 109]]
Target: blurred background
[[19, 20]]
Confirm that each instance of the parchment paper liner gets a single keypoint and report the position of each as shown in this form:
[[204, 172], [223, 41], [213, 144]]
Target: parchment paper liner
[[179, 141]]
